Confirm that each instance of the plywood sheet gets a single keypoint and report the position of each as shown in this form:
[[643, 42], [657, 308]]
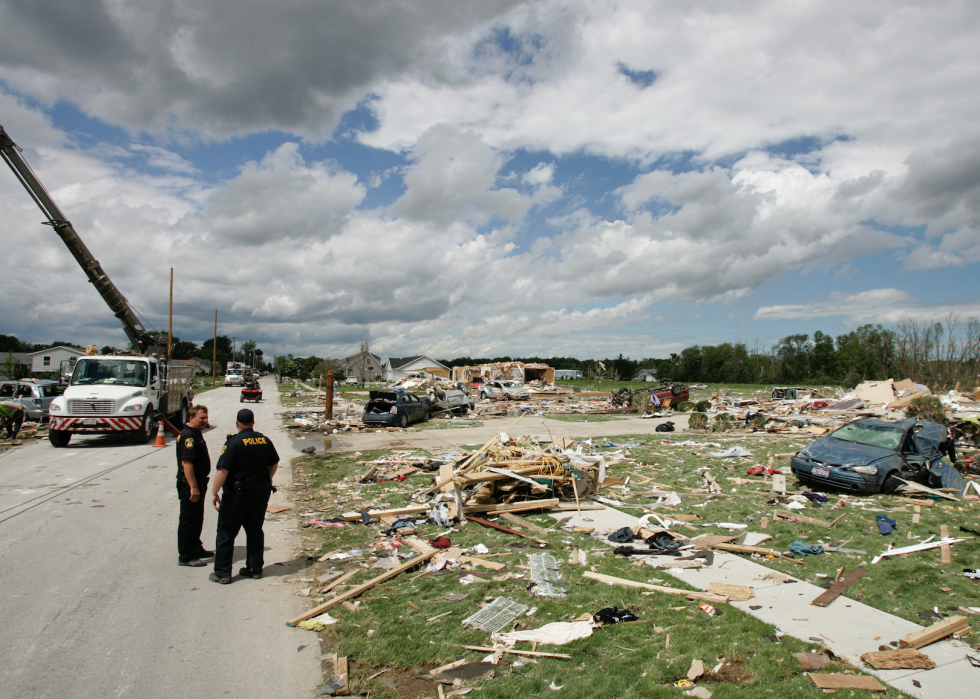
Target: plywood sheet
[[840, 681]]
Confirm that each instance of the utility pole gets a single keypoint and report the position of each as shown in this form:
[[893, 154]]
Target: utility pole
[[170, 327], [214, 351], [328, 391]]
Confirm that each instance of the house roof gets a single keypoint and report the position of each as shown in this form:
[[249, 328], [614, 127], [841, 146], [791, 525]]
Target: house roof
[[353, 357], [59, 347], [399, 362]]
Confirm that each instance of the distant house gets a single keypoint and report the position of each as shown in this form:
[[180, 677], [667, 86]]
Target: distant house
[[48, 361], [646, 375], [365, 367], [396, 368], [505, 371], [21, 365], [568, 374]]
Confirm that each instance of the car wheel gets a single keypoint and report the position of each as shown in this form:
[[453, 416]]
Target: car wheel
[[241, 399], [891, 483], [676, 390], [144, 432], [403, 420], [59, 438]]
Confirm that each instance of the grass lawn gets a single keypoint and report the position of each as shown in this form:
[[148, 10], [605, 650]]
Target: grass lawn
[[624, 660]]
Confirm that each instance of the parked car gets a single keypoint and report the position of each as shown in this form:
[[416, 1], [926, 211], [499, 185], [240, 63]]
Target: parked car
[[503, 390], [352, 381], [34, 394], [394, 409], [457, 400], [699, 386], [870, 455]]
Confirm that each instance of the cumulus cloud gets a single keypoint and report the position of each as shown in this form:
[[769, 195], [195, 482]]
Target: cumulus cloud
[[872, 306]]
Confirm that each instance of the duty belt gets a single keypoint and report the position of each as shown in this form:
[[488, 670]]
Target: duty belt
[[243, 485]]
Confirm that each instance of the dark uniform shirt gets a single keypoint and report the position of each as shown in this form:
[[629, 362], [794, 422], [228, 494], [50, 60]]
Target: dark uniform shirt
[[191, 447], [247, 454]]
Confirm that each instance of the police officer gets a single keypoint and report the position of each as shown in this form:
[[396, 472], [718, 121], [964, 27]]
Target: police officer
[[245, 470], [12, 413], [193, 469]]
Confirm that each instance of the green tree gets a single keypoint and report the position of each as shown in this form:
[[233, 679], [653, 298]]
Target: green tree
[[11, 366]]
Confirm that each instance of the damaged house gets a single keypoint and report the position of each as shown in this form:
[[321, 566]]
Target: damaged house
[[396, 368], [505, 371]]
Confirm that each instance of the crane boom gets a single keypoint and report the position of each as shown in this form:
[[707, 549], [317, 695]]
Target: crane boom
[[142, 340]]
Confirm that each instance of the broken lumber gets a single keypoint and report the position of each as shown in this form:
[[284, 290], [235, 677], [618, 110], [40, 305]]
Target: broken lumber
[[340, 671], [738, 548], [492, 565], [340, 580], [916, 547], [783, 514], [375, 514], [931, 634], [838, 589], [841, 681], [690, 594], [945, 553], [357, 590], [531, 653], [901, 659], [514, 519], [492, 525], [918, 487], [499, 508]]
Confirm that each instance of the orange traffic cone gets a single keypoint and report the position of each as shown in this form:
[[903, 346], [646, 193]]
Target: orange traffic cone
[[161, 439]]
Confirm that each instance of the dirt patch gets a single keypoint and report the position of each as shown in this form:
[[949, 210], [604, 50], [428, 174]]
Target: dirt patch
[[733, 671]]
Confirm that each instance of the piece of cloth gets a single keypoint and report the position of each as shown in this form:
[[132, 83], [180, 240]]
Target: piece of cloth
[[621, 536], [557, 633], [886, 525], [440, 542], [816, 498], [972, 574], [665, 427], [801, 548], [241, 511], [760, 470], [729, 453], [613, 615], [192, 447], [662, 541], [190, 523]]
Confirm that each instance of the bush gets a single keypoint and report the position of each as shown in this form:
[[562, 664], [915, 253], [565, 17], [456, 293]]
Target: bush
[[722, 423], [685, 406], [697, 421], [757, 422], [927, 408], [702, 406]]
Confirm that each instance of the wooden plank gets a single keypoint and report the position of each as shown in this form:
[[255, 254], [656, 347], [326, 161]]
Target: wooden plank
[[374, 514], [738, 548], [339, 581], [523, 522], [917, 517], [354, 592], [765, 523], [690, 594], [923, 489], [514, 532], [511, 507], [530, 653], [492, 565], [946, 555], [838, 589], [812, 661], [340, 670], [446, 477], [839, 681], [784, 514], [931, 634]]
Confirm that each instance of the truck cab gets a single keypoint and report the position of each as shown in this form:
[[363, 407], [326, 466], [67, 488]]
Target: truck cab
[[123, 393]]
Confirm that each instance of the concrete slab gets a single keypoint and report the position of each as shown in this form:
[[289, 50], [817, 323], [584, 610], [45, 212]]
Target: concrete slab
[[846, 626]]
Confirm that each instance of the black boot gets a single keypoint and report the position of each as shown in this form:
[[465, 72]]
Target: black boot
[[252, 569]]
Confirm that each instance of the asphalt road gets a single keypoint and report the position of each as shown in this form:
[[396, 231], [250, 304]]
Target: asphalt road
[[94, 604]]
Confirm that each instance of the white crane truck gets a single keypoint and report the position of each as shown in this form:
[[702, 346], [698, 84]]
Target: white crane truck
[[120, 393]]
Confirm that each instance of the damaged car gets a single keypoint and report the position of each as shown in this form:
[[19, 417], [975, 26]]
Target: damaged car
[[871, 455], [675, 393], [457, 401], [504, 390], [394, 409]]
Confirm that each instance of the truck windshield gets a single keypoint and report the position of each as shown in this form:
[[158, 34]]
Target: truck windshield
[[109, 371]]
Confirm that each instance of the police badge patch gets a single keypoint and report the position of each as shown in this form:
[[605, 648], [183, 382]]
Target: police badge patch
[[189, 442]]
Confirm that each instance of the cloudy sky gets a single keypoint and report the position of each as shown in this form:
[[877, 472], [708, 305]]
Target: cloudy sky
[[575, 178]]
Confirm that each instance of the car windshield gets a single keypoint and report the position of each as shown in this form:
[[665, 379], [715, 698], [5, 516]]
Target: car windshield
[[109, 371], [872, 436]]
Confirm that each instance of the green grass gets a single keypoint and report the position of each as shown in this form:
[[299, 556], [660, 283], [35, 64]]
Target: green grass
[[617, 661]]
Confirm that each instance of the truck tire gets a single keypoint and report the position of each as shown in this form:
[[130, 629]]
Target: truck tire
[[676, 390], [241, 398], [59, 438], [182, 416], [144, 432]]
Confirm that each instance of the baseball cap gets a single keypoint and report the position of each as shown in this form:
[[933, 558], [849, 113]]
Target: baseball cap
[[246, 416]]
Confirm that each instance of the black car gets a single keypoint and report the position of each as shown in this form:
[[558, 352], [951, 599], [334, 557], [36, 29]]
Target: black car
[[870, 455], [394, 409]]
